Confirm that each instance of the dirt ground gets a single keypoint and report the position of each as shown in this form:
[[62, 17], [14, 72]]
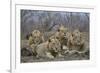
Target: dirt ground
[[67, 57]]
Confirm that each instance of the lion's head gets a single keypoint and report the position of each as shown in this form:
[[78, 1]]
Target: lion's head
[[54, 45]]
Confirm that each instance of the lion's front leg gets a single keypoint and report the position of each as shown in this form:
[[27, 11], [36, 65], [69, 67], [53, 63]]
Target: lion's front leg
[[49, 55]]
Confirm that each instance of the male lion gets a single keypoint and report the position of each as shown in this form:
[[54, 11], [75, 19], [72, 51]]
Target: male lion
[[76, 42], [36, 37]]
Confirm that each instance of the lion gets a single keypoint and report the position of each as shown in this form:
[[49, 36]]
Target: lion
[[48, 49], [61, 35], [76, 42], [36, 37]]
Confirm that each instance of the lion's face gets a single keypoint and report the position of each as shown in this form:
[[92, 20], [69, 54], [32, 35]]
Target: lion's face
[[54, 45], [36, 35], [76, 33], [62, 31]]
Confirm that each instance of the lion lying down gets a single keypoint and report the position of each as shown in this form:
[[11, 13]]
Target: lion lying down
[[48, 49]]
